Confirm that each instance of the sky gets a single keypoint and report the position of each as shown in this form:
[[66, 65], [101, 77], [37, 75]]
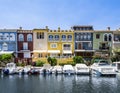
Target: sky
[[31, 14]]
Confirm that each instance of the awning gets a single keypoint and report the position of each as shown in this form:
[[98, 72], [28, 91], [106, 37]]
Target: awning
[[53, 51], [84, 50], [6, 52], [40, 51], [67, 52]]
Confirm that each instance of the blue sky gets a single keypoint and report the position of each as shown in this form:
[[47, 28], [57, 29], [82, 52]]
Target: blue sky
[[59, 13]]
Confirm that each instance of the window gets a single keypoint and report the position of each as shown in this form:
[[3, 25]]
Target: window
[[116, 37], [54, 45], [69, 37], [40, 35], [63, 37], [1, 36], [105, 37], [81, 36], [21, 37], [25, 46], [97, 36], [5, 46], [12, 37], [26, 55], [6, 37], [29, 37], [77, 37], [89, 36], [57, 37], [66, 47], [85, 36], [110, 37], [50, 37]]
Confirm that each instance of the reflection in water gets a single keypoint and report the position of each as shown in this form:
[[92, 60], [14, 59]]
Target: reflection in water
[[58, 84]]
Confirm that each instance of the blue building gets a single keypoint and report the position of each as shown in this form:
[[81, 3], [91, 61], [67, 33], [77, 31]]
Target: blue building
[[83, 36], [8, 41]]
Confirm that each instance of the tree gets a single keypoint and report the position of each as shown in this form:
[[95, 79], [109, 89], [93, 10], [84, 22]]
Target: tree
[[52, 61], [78, 59], [5, 58]]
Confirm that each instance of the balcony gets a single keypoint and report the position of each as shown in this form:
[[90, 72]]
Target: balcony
[[104, 48]]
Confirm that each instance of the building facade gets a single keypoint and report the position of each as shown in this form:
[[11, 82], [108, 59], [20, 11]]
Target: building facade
[[40, 44], [102, 42], [25, 45], [8, 41], [60, 43], [83, 42]]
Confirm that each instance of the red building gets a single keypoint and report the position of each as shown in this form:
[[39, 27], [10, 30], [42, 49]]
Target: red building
[[25, 46]]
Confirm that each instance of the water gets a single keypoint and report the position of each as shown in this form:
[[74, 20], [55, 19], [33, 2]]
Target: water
[[59, 84]]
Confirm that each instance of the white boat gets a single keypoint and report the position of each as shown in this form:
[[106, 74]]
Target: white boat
[[82, 69], [68, 69], [57, 70], [46, 69], [103, 67], [10, 68], [26, 69], [117, 66]]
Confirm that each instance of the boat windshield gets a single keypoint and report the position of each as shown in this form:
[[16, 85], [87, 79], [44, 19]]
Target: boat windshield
[[102, 63]]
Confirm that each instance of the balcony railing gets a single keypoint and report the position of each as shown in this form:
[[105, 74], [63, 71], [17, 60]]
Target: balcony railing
[[104, 48]]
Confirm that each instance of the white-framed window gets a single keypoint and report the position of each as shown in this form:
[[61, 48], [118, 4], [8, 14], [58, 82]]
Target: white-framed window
[[40, 35], [105, 37], [66, 47], [6, 37], [57, 37], [89, 36], [1, 36], [25, 46], [29, 37], [5, 46], [26, 54], [53, 45], [21, 37], [69, 37], [110, 37], [12, 37], [50, 37], [63, 37], [81, 36]]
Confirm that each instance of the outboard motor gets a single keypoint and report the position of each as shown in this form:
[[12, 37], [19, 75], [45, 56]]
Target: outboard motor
[[6, 71]]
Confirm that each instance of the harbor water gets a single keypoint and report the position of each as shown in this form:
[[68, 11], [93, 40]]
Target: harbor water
[[59, 84]]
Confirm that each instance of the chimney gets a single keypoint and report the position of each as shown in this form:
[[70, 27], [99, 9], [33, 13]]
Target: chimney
[[46, 27], [108, 28], [58, 28], [20, 28]]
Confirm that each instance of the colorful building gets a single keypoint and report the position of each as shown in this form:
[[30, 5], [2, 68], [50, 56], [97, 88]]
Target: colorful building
[[116, 39], [83, 41], [40, 44], [60, 43], [25, 45], [8, 41], [102, 42]]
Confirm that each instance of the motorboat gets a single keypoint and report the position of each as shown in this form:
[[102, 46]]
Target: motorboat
[[34, 71], [117, 66], [46, 69], [10, 68], [82, 69], [68, 69], [57, 70], [26, 69], [103, 68]]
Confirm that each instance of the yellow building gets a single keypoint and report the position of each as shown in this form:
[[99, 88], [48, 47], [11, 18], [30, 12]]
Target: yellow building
[[60, 43], [39, 44]]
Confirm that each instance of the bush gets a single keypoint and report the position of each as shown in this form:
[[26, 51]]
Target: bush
[[40, 63], [78, 59], [67, 63]]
